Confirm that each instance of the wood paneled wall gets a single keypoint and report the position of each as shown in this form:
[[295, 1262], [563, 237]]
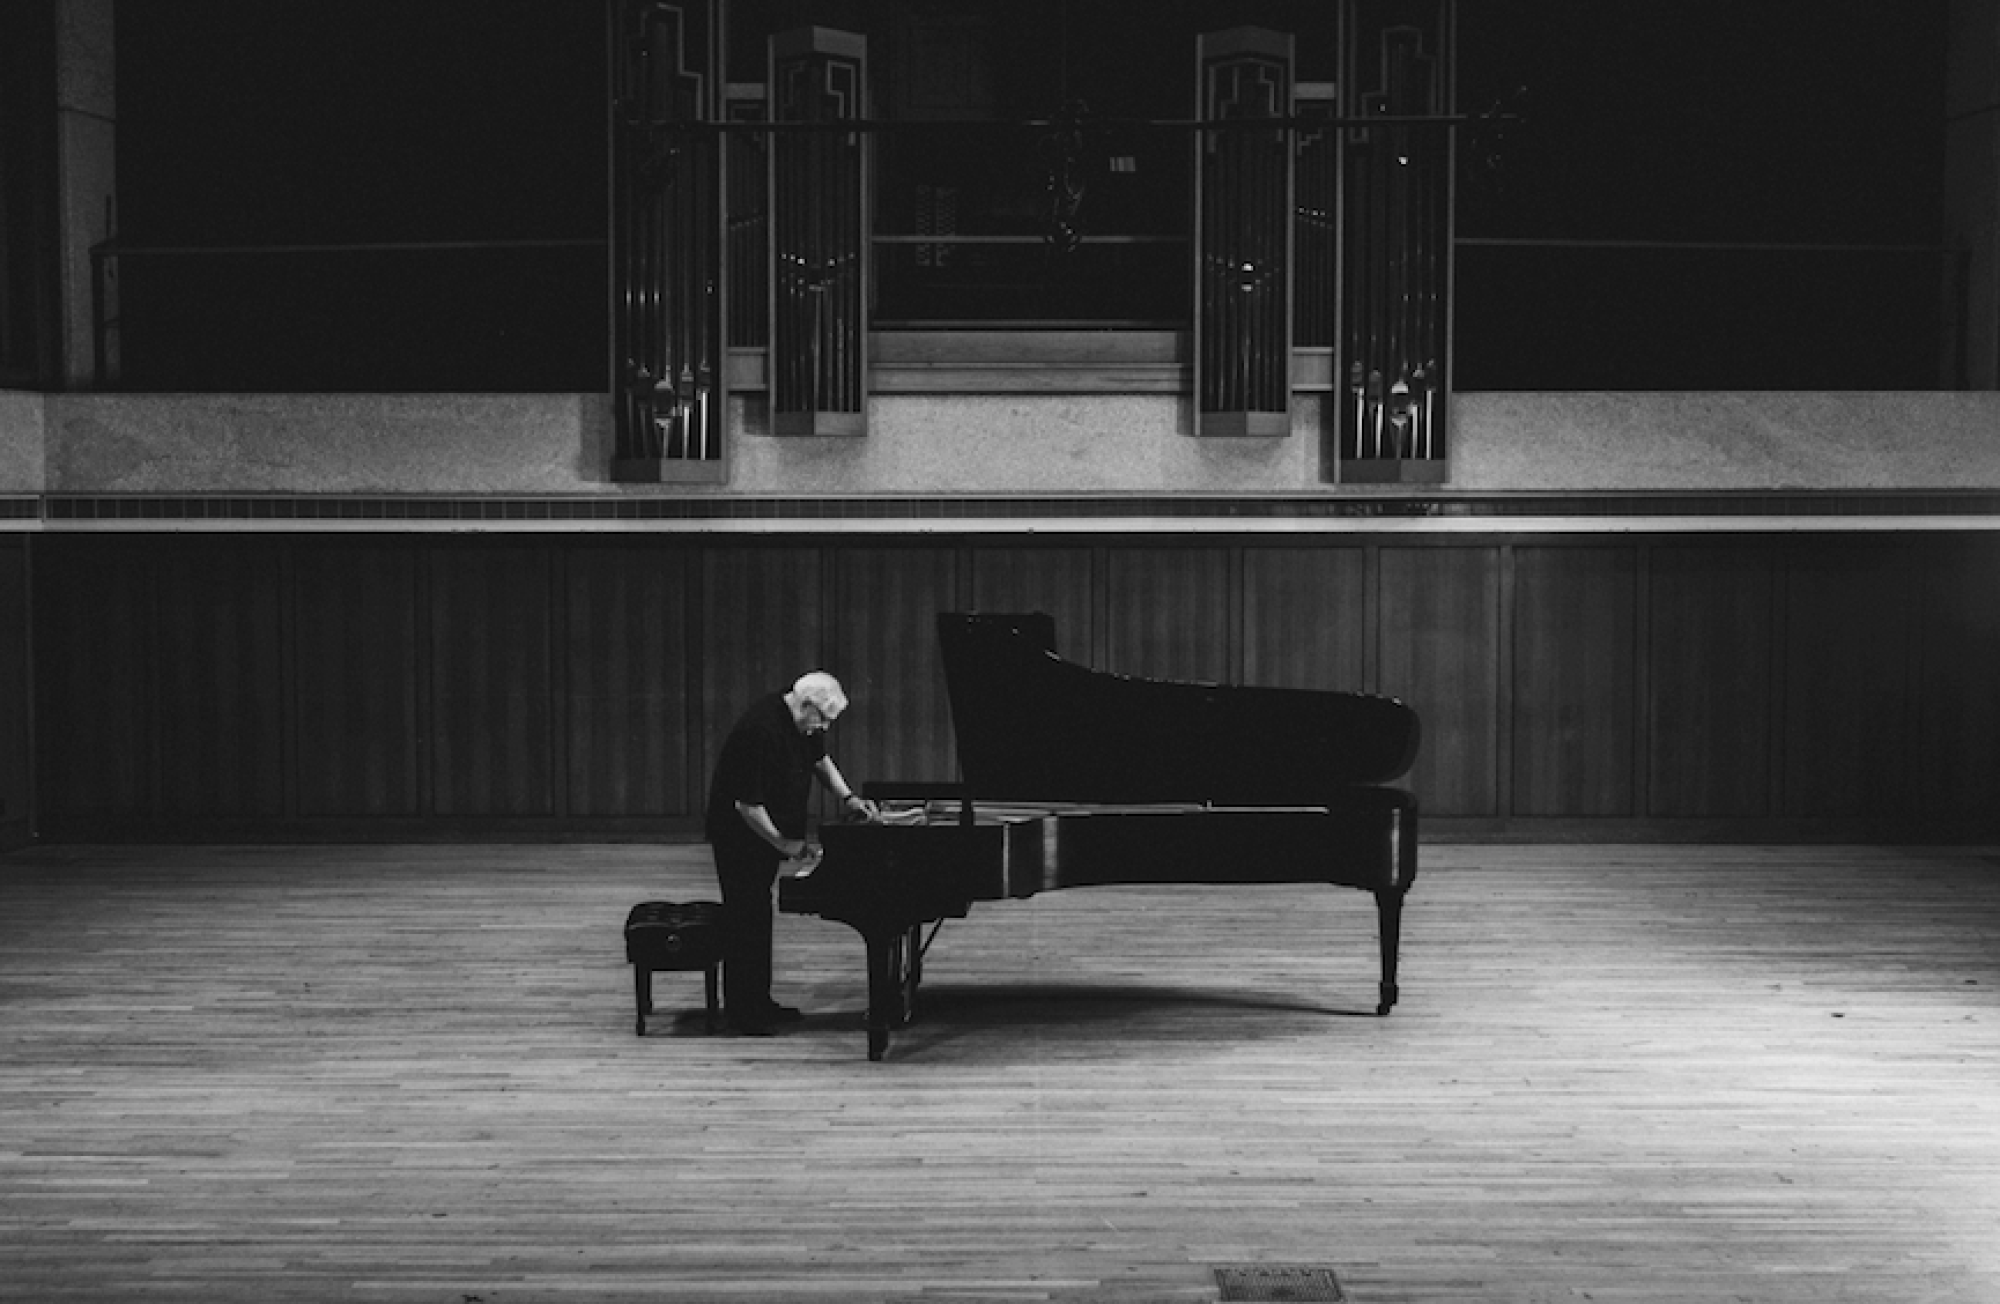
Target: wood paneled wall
[[307, 685]]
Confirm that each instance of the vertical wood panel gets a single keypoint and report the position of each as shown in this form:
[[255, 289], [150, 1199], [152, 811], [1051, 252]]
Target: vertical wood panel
[[1440, 652], [1710, 698], [627, 622], [1957, 711], [761, 628], [94, 653], [1168, 614], [16, 762], [221, 691], [490, 677], [1052, 580], [1304, 617], [886, 654], [1849, 613], [357, 656], [1575, 622]]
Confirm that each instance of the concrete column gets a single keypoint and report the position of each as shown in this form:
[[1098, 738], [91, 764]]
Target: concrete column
[[86, 170], [1972, 180]]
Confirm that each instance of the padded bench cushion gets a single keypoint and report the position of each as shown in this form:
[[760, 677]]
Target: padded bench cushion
[[674, 934]]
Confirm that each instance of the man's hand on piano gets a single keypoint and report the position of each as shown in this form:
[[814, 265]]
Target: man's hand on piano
[[857, 809]]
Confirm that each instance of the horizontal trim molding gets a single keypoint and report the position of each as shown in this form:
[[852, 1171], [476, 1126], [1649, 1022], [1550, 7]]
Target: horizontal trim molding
[[1399, 512], [1031, 362]]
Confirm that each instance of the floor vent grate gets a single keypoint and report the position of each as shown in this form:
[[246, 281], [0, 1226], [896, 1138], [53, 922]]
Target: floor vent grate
[[1268, 1285]]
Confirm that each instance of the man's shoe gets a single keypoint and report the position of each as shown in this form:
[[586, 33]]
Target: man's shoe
[[753, 1027], [783, 1013]]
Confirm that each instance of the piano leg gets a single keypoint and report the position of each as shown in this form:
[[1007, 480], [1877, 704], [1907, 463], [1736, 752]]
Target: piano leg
[[881, 990], [1389, 919], [892, 984]]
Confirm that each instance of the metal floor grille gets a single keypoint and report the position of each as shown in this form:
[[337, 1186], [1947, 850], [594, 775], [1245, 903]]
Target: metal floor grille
[[1268, 1285]]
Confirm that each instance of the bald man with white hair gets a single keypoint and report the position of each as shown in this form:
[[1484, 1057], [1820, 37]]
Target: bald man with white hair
[[756, 821]]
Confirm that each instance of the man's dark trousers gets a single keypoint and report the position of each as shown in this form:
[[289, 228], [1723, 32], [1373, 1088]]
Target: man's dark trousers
[[745, 874]]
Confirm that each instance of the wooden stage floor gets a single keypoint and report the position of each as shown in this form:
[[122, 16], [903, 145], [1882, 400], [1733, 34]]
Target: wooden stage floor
[[257, 1074]]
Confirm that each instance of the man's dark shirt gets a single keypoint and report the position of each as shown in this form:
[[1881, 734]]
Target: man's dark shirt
[[765, 762]]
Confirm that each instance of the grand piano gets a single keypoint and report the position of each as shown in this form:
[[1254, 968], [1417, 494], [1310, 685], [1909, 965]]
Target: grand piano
[[1072, 777]]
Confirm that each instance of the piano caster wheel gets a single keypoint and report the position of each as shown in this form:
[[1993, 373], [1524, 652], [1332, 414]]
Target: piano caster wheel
[[878, 1045]]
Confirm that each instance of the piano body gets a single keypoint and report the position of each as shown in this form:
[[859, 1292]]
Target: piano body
[[1073, 777]]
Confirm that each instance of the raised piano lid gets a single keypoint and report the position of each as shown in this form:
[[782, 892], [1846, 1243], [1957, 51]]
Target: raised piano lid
[[1034, 727]]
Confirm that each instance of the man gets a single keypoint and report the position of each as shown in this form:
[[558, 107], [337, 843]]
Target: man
[[756, 820]]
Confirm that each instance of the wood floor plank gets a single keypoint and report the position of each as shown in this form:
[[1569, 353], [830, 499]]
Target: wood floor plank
[[236, 1074]]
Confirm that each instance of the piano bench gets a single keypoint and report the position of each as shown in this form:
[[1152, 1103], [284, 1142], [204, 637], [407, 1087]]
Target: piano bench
[[675, 937]]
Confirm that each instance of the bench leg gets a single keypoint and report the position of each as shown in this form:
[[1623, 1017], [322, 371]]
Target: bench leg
[[1389, 912], [714, 1002], [642, 995]]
